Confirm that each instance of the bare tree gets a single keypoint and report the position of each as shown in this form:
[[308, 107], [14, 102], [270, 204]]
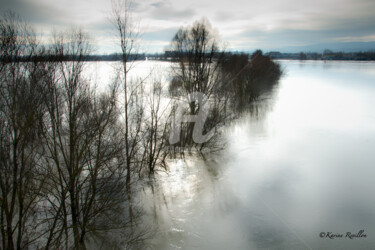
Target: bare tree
[[198, 55], [67, 153], [85, 194], [156, 127], [21, 112], [133, 112]]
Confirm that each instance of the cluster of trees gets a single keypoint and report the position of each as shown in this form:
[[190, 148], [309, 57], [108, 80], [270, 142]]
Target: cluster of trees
[[249, 79], [69, 154], [230, 82], [72, 157]]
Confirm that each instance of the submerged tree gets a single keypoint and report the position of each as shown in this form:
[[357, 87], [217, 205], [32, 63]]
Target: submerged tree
[[84, 194], [155, 128], [230, 82], [143, 111], [198, 56], [246, 79], [128, 34], [21, 112], [70, 157], [197, 51]]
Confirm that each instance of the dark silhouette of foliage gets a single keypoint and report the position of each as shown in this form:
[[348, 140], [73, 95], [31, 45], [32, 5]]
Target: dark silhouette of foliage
[[246, 80]]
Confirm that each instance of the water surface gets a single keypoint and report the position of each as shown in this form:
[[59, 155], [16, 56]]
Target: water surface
[[303, 164]]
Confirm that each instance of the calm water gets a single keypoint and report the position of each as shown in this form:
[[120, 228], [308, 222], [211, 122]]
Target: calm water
[[304, 164]]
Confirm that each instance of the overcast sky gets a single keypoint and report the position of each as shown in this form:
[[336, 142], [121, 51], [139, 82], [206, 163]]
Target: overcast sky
[[241, 24]]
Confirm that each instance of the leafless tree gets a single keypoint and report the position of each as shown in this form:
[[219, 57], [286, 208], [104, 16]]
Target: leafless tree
[[155, 128], [21, 112], [128, 34], [68, 154], [145, 111], [84, 197], [198, 55]]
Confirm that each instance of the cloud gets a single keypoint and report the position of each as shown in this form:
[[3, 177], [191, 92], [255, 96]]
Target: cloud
[[242, 23], [279, 38], [34, 12], [165, 10], [349, 22], [157, 4]]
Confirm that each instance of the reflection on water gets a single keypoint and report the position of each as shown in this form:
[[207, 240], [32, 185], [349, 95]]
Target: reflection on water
[[303, 167]]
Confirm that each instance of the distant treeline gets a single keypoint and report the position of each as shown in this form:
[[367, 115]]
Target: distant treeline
[[171, 56], [85, 58], [326, 55]]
